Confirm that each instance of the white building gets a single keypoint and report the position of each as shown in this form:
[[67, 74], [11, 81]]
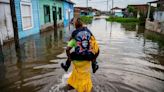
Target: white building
[[6, 27], [159, 16], [158, 24]]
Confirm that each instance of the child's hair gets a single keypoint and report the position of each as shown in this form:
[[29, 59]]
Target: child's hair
[[78, 23]]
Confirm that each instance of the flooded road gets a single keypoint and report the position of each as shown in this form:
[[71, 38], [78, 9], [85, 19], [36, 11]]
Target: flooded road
[[128, 61]]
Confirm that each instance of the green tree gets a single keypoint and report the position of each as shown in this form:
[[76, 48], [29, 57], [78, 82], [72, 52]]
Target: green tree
[[132, 10]]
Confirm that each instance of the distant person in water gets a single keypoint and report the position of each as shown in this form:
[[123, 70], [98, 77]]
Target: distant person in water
[[86, 47]]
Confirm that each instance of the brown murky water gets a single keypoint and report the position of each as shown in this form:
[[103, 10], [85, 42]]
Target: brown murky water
[[128, 62]]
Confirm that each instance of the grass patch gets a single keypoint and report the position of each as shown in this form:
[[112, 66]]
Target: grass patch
[[155, 37], [123, 20], [86, 19]]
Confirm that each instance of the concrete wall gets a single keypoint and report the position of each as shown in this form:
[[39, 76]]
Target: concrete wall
[[6, 1], [158, 24], [35, 28], [68, 6], [51, 3], [155, 26]]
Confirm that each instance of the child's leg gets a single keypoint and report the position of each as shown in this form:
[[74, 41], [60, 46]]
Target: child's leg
[[94, 66], [94, 63], [66, 65]]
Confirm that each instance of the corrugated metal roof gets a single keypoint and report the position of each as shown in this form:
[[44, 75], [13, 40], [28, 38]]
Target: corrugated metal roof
[[158, 2]]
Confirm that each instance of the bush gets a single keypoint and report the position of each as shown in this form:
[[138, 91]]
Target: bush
[[155, 37], [86, 19], [122, 20]]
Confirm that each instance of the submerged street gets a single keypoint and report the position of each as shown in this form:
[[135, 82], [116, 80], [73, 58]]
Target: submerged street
[[128, 61]]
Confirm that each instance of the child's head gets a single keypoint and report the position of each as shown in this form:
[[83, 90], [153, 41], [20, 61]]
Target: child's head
[[78, 23]]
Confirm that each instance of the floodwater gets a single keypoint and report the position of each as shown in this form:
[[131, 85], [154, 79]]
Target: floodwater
[[128, 61]]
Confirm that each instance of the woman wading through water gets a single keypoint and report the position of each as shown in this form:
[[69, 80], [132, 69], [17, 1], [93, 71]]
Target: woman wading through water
[[84, 55]]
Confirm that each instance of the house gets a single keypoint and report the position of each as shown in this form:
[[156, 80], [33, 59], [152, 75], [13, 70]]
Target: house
[[140, 9], [51, 13], [6, 26], [96, 12], [159, 13], [27, 17], [83, 11], [31, 16], [157, 24], [116, 11], [68, 12]]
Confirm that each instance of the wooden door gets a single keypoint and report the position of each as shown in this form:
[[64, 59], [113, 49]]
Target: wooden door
[[54, 15], [47, 14], [6, 27]]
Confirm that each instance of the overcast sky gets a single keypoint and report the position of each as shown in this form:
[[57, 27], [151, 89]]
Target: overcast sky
[[102, 4]]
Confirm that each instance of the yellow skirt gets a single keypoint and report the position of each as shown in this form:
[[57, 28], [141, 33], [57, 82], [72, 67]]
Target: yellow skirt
[[80, 78]]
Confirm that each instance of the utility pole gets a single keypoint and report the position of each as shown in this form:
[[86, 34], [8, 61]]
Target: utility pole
[[107, 5], [15, 26], [148, 14], [87, 3], [112, 5]]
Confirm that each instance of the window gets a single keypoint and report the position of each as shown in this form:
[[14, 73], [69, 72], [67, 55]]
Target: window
[[60, 13], [47, 13], [26, 12]]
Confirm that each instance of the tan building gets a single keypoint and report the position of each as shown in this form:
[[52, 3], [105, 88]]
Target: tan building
[[158, 24]]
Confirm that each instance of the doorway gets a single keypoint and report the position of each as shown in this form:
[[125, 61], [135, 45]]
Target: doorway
[[54, 16]]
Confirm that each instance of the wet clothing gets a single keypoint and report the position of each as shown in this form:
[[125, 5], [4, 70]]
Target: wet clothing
[[80, 78]]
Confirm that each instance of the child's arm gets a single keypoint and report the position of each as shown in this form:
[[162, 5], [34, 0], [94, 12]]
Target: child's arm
[[68, 52]]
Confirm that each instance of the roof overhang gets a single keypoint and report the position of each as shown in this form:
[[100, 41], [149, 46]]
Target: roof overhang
[[69, 1], [158, 2]]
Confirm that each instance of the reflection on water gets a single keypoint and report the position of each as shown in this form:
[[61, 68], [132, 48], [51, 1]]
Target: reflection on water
[[1, 55], [129, 62], [17, 73]]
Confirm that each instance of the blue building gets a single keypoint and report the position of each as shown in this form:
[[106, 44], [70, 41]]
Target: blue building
[[117, 12], [83, 11], [68, 11], [27, 13]]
